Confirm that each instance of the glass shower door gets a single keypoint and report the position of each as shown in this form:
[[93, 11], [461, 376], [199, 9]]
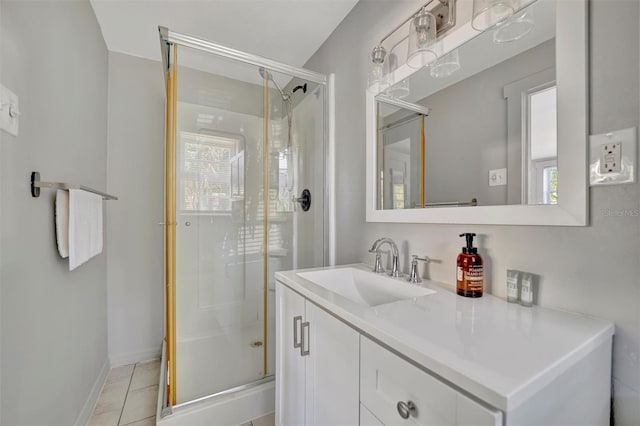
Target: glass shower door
[[242, 152], [296, 149]]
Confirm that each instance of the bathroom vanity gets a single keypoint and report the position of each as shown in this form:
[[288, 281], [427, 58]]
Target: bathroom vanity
[[354, 347]]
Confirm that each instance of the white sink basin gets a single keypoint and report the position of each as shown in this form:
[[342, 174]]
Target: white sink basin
[[364, 288]]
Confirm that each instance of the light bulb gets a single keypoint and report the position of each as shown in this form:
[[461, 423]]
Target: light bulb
[[422, 24]]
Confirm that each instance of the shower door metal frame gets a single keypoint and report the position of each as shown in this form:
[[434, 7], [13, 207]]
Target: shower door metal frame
[[167, 40], [168, 37]]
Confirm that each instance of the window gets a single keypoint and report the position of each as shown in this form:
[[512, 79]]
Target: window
[[543, 154], [532, 138], [204, 183], [550, 185]]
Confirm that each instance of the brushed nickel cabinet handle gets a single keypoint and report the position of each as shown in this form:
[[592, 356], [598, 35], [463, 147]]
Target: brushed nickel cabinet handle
[[296, 343], [303, 351], [406, 409]]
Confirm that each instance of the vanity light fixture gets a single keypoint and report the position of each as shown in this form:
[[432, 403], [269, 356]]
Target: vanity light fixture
[[514, 27], [377, 80], [400, 89], [488, 13], [422, 40], [509, 18], [433, 19], [445, 65]]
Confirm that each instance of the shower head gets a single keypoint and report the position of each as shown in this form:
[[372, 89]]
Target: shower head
[[263, 72]]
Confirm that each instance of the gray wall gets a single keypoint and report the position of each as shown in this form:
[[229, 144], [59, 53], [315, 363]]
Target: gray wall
[[593, 270], [54, 322], [135, 174]]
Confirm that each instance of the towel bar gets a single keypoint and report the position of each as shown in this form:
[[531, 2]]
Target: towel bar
[[36, 184]]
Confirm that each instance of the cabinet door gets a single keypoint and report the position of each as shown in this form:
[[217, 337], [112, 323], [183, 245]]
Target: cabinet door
[[332, 373], [289, 364]]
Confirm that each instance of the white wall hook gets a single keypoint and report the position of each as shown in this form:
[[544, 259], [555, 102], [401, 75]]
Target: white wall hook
[[13, 111], [9, 111]]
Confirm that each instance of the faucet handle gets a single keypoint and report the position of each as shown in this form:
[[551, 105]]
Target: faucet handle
[[377, 267], [414, 276]]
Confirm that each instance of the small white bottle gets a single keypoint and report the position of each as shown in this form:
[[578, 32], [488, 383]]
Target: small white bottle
[[513, 287], [526, 290]]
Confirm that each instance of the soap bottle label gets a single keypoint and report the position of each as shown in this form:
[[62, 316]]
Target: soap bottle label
[[475, 278], [460, 274]]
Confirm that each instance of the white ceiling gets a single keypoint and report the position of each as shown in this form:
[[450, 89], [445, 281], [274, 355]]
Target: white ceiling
[[288, 31]]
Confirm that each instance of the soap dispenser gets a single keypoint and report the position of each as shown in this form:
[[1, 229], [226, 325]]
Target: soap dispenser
[[470, 272]]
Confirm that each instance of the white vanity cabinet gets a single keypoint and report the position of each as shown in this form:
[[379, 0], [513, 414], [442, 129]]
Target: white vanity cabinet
[[317, 359], [437, 359], [325, 370]]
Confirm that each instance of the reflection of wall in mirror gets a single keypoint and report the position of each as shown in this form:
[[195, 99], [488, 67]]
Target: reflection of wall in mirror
[[466, 130], [401, 153]]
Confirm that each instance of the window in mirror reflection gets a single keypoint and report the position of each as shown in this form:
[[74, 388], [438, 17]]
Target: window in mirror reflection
[[543, 153]]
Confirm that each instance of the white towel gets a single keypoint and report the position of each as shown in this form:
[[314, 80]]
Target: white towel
[[62, 222], [85, 227]]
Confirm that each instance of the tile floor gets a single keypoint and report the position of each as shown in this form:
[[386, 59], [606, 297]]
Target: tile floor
[[129, 396]]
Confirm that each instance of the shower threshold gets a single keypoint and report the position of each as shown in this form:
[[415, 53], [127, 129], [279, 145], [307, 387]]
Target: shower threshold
[[230, 391], [236, 405]]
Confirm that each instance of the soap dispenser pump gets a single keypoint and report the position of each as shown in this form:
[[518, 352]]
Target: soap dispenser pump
[[470, 272]]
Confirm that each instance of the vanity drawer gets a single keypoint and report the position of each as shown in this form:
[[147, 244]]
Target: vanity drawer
[[367, 418], [387, 380]]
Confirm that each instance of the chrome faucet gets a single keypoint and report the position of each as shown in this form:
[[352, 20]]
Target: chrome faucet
[[375, 248]]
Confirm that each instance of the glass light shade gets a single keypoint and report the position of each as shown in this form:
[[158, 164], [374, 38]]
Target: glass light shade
[[446, 65], [515, 27], [487, 13], [399, 90], [378, 77], [422, 38], [377, 80]]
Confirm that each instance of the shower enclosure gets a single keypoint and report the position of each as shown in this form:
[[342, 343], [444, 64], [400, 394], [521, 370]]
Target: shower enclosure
[[245, 187]]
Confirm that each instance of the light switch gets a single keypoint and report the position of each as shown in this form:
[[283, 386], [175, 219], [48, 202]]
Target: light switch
[[497, 177], [9, 111], [613, 157]]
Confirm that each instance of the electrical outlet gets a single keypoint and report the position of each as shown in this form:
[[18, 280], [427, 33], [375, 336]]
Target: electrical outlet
[[611, 158]]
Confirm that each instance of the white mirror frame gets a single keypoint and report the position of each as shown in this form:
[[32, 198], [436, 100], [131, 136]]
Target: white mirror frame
[[573, 115]]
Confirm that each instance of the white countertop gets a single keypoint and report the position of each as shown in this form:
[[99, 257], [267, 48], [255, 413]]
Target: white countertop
[[500, 352]]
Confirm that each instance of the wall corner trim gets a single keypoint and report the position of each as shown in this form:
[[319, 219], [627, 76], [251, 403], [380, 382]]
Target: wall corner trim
[[90, 404]]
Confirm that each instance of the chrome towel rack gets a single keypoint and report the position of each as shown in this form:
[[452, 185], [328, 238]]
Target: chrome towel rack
[[36, 184], [473, 203]]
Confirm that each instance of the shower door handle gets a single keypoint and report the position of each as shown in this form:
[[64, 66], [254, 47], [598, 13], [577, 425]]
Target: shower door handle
[[296, 343], [304, 199], [303, 351]]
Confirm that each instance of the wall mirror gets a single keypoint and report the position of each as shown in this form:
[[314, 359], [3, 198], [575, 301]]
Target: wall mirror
[[494, 131]]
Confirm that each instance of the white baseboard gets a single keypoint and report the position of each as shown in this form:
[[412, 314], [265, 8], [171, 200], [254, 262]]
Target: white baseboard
[[90, 404], [133, 357]]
